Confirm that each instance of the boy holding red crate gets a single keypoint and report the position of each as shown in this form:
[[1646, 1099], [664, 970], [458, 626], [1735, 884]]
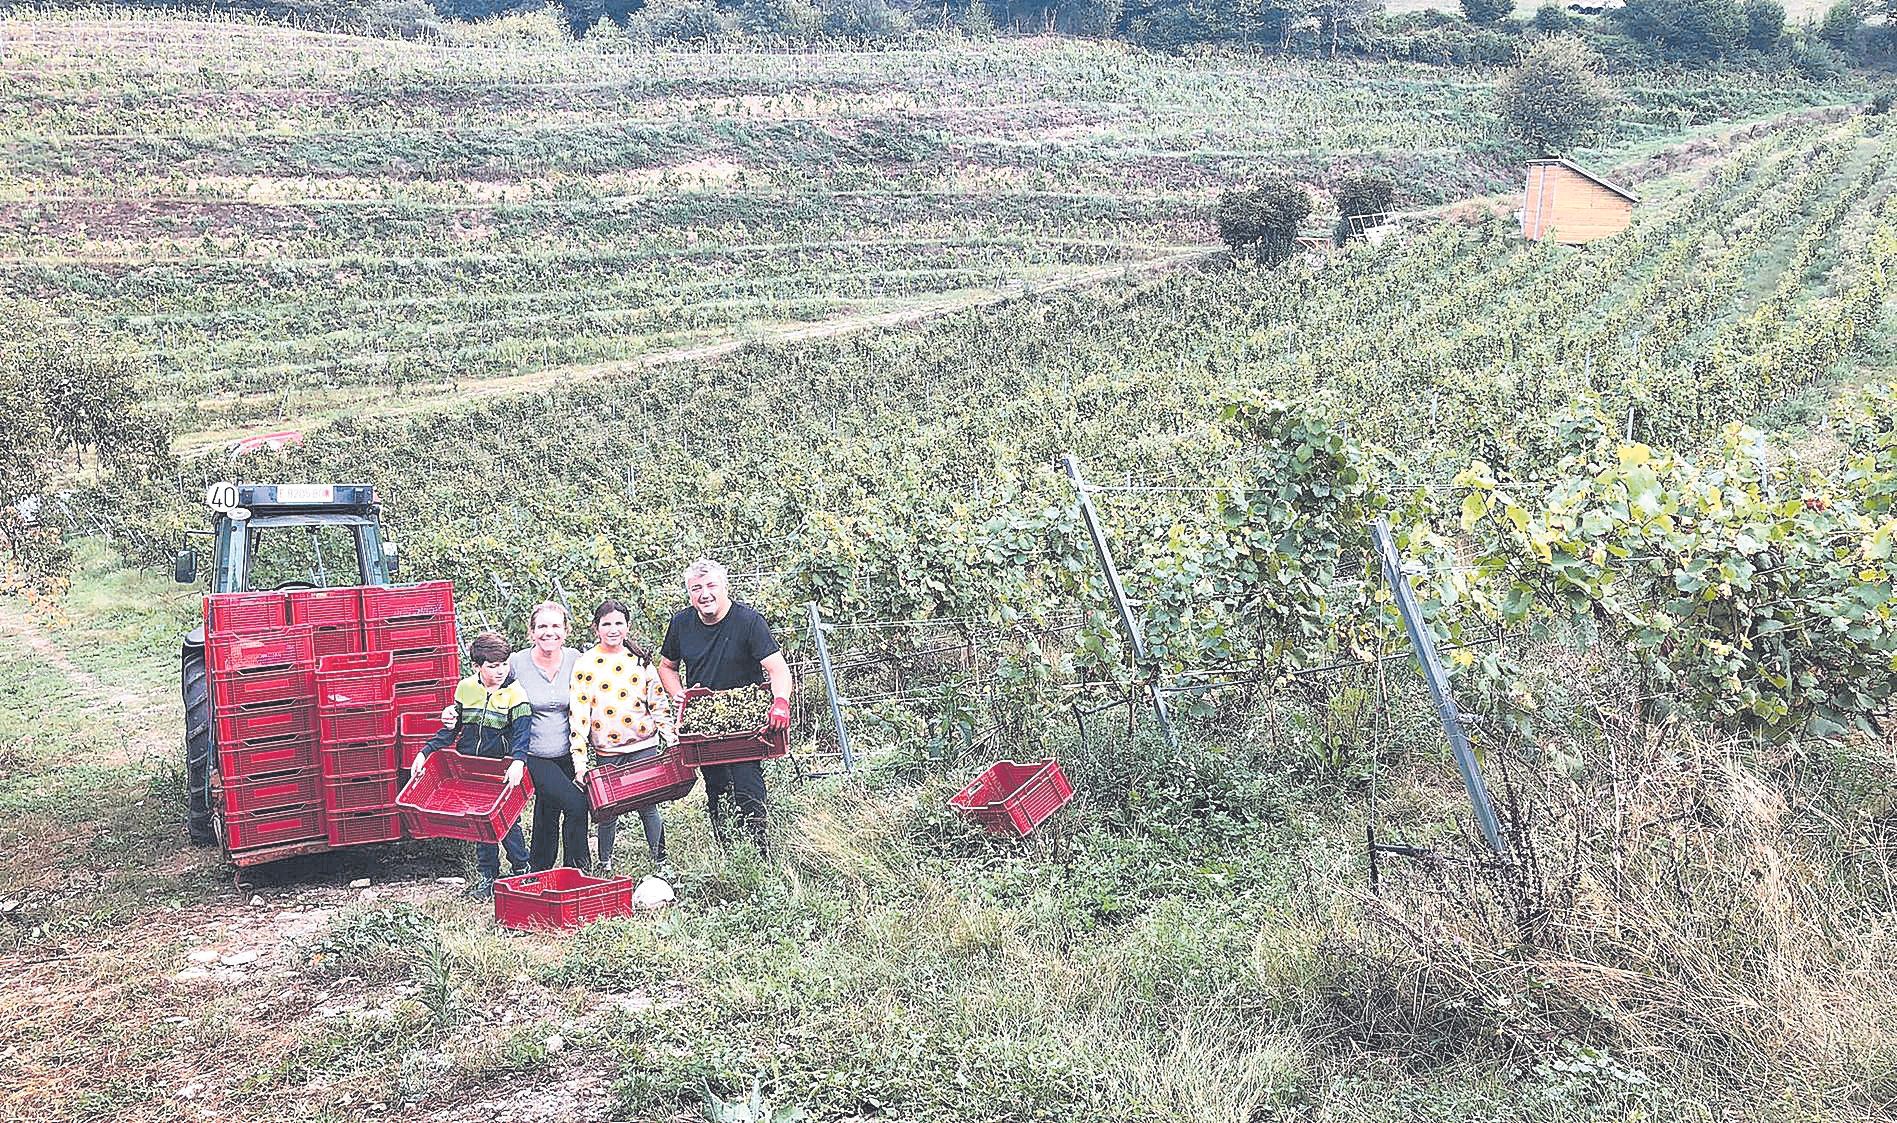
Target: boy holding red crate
[[490, 720]]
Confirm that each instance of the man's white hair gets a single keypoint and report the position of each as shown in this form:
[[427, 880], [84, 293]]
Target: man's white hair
[[705, 567]]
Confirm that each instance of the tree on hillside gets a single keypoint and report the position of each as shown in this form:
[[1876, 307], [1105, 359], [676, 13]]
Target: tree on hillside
[[1555, 99], [1262, 222], [1841, 23], [1765, 23], [1553, 18], [1685, 28], [1486, 11]]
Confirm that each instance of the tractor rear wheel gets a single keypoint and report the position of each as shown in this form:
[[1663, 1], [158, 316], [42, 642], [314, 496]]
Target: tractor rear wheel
[[198, 747]]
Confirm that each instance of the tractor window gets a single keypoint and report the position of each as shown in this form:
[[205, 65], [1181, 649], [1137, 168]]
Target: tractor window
[[314, 555]]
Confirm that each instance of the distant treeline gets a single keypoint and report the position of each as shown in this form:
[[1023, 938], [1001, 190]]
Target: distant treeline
[[1636, 35]]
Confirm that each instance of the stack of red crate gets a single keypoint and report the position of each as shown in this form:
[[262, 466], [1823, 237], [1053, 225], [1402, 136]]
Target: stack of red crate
[[334, 617], [260, 670], [415, 625], [355, 744]]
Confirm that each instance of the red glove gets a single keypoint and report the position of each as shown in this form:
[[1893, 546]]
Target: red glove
[[780, 714]]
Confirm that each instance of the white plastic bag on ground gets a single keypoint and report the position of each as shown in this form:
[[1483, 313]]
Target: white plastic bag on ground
[[652, 893]]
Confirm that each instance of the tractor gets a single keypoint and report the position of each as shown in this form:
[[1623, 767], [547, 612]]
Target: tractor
[[269, 537]]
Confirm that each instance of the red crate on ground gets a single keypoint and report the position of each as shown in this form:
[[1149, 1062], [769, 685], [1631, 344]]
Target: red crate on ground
[[326, 607], [394, 602], [358, 723], [273, 828], [614, 789], [280, 648], [559, 899], [364, 826], [335, 639], [698, 750], [362, 679], [264, 721], [272, 793], [230, 614], [368, 759], [260, 689], [359, 793], [260, 758], [413, 731], [1013, 798], [462, 797], [433, 634]]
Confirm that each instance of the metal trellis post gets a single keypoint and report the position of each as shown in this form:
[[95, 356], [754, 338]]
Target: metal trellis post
[[1425, 646], [830, 686], [1127, 622]]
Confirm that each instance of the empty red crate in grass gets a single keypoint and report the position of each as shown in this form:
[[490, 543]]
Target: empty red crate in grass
[[270, 793], [370, 759], [432, 634], [364, 826], [559, 899], [1014, 798], [359, 793], [359, 723], [698, 750], [281, 648], [464, 797], [259, 689], [276, 719], [273, 828], [230, 614], [361, 679], [413, 731], [326, 607], [614, 789], [393, 602], [258, 758]]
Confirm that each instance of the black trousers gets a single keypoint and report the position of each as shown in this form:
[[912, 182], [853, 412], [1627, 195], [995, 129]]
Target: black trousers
[[560, 814], [741, 784]]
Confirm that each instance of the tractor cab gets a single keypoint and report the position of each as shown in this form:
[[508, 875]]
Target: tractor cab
[[291, 536]]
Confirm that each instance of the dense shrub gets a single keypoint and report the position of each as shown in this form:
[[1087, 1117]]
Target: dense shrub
[[1361, 193], [863, 21], [1263, 222], [1553, 18], [1686, 28], [1765, 23], [1555, 99], [1487, 11], [789, 21]]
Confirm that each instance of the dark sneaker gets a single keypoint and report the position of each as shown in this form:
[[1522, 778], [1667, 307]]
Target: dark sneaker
[[481, 889]]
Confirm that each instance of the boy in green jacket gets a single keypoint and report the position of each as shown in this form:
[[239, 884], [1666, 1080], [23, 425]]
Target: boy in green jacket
[[491, 720]]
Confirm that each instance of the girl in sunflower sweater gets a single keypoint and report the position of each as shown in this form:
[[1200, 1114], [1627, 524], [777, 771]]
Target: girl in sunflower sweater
[[620, 712]]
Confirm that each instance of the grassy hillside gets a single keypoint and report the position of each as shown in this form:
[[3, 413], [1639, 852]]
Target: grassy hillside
[[282, 222], [1694, 923]]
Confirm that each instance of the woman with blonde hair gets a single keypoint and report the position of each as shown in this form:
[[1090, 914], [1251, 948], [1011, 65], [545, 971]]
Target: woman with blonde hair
[[544, 672]]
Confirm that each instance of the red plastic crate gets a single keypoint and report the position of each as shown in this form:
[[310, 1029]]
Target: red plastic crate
[[337, 726], [393, 602], [412, 670], [559, 899], [262, 722], [419, 698], [432, 635], [233, 692], [359, 793], [237, 763], [335, 639], [347, 681], [359, 827], [698, 750], [273, 828], [412, 731], [1013, 798], [330, 607], [614, 789], [462, 797], [368, 759], [231, 614], [272, 793], [281, 648]]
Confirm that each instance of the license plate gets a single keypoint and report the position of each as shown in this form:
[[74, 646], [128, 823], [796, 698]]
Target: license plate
[[306, 493]]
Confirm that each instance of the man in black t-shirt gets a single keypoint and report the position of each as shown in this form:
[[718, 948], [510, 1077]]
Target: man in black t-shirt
[[724, 645]]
